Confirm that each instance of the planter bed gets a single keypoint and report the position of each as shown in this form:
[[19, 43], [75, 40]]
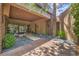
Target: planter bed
[[19, 42]]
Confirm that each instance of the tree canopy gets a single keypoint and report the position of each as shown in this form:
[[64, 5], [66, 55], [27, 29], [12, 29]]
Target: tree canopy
[[75, 13]]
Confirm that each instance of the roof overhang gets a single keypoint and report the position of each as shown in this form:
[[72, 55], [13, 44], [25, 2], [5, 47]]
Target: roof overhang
[[19, 12]]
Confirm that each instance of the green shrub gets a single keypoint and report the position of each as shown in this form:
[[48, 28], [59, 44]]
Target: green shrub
[[75, 14], [46, 10], [61, 34], [9, 40]]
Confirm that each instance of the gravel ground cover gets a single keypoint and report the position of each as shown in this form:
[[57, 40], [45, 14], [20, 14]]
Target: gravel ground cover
[[55, 47]]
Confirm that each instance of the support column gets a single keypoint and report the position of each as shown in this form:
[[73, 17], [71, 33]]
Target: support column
[[49, 27], [1, 28], [52, 27]]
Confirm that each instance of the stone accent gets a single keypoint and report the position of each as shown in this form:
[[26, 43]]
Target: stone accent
[[54, 47]]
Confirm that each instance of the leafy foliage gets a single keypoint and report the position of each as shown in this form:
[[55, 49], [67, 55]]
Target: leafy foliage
[[9, 40], [75, 13], [61, 34]]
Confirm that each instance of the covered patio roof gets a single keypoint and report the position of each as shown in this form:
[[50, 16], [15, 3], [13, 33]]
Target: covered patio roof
[[19, 13]]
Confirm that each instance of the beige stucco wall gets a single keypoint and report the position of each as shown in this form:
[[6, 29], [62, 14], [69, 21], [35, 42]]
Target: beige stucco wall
[[2, 27], [6, 9], [68, 27], [32, 27], [41, 26]]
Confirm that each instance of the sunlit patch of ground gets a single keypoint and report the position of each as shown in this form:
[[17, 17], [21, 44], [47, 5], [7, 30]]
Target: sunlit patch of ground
[[55, 47]]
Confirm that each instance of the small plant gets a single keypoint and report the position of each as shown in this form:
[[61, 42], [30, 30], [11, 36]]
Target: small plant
[[9, 40], [61, 34], [46, 10]]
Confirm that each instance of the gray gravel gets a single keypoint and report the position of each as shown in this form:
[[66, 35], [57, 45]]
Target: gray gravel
[[60, 48]]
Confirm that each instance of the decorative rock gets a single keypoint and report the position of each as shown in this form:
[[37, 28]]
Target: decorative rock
[[58, 48], [66, 46]]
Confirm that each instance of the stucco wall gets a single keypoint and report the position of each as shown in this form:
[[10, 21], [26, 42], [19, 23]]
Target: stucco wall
[[68, 27], [6, 9], [41, 26], [2, 27]]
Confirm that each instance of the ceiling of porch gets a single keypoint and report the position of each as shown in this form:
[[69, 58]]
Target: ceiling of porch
[[21, 14]]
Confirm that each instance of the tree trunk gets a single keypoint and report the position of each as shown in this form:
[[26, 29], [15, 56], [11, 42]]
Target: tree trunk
[[53, 21]]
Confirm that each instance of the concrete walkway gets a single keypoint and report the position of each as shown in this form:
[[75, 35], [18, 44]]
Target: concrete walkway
[[32, 37]]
